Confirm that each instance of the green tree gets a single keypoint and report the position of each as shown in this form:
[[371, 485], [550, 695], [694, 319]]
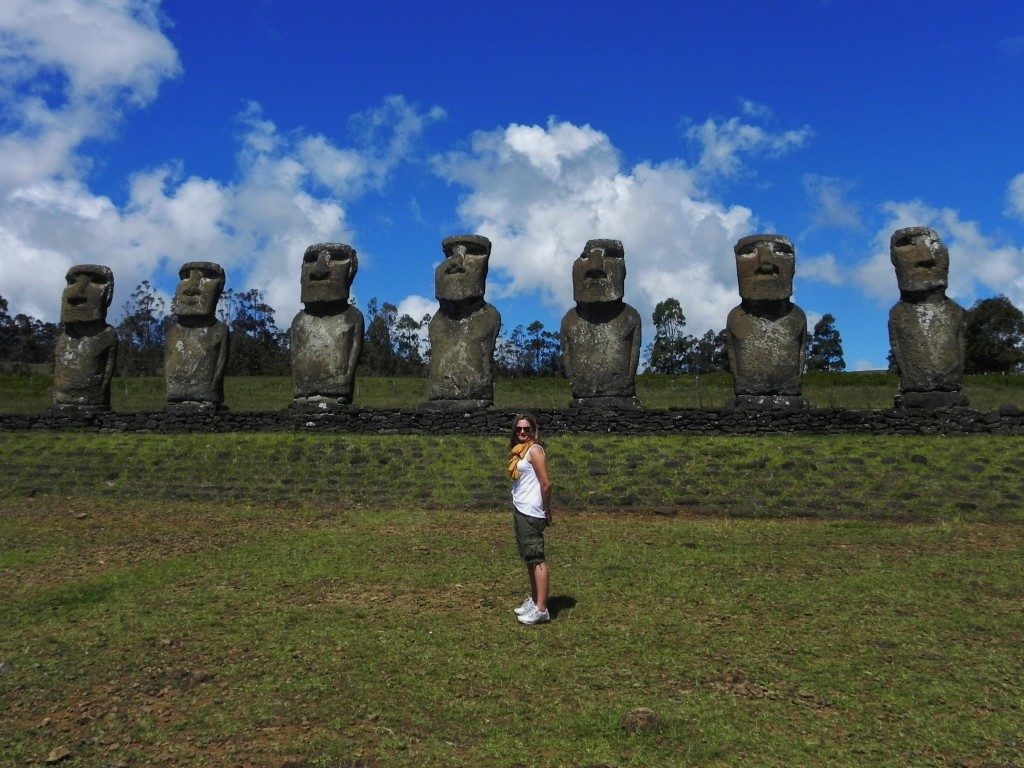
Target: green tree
[[258, 347], [825, 347], [708, 354], [671, 349], [141, 333], [995, 336], [379, 357]]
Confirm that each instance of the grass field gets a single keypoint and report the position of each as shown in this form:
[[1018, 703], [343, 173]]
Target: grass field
[[346, 601], [858, 391]]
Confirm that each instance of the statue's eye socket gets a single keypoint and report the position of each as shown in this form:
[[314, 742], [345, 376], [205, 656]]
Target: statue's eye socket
[[903, 242], [309, 258], [339, 258], [98, 280]]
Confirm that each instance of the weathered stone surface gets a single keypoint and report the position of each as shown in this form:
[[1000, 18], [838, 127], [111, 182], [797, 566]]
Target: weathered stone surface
[[766, 334], [86, 349], [601, 335], [464, 330], [816, 421], [926, 328], [197, 344], [327, 335]]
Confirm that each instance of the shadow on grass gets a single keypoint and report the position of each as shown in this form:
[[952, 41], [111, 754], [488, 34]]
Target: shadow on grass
[[560, 603]]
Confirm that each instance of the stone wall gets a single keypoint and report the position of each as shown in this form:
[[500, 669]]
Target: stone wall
[[1008, 420]]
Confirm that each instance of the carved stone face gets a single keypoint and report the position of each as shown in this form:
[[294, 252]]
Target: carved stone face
[[199, 290], [463, 273], [599, 274], [764, 267], [88, 294], [328, 270], [920, 258]]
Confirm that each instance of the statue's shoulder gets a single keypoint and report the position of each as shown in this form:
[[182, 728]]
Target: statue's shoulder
[[491, 312], [108, 335], [352, 313], [630, 315], [570, 318], [735, 315]]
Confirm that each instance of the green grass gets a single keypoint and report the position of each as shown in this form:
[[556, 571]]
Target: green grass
[[857, 391], [850, 476], [195, 600]]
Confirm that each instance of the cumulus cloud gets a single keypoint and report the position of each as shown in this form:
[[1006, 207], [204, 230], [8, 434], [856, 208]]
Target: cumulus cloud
[[291, 190], [417, 306], [540, 192], [723, 143], [822, 269], [979, 266], [1015, 197], [69, 70], [832, 209]]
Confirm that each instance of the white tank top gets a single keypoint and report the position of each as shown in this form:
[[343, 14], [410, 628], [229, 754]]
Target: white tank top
[[526, 495]]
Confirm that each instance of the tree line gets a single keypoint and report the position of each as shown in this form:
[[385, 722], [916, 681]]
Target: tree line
[[395, 345]]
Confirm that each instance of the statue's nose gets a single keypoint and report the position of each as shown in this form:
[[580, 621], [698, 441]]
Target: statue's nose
[[765, 255], [320, 269]]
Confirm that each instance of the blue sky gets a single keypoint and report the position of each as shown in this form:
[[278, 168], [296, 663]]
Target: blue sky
[[142, 135]]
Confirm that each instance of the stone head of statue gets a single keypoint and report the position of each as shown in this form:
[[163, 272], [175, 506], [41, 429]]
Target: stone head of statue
[[920, 258], [463, 273], [599, 273], [199, 289], [89, 292], [328, 270], [764, 267]]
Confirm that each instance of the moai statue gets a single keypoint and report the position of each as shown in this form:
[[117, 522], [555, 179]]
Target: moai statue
[[327, 334], [926, 328], [464, 329], [197, 344], [766, 333], [601, 334], [86, 347]]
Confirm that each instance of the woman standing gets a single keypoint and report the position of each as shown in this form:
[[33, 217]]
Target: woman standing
[[531, 499]]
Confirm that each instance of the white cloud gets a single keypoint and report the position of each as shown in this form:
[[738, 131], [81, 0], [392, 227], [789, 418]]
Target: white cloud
[[832, 209], [256, 226], [539, 193], [417, 306], [1015, 197], [67, 70], [863, 364], [823, 269], [979, 266], [723, 143]]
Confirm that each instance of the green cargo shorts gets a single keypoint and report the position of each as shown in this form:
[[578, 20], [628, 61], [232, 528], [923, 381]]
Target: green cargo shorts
[[529, 536]]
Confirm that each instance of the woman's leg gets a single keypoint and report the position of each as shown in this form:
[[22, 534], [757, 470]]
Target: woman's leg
[[539, 584]]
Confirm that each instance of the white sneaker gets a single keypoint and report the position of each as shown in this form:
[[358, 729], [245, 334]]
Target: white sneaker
[[525, 607], [533, 616]]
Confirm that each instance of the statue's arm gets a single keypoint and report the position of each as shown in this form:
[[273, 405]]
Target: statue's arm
[[563, 338], [802, 354], [359, 331], [491, 338], [894, 341], [222, 353], [108, 371], [730, 342], [634, 350]]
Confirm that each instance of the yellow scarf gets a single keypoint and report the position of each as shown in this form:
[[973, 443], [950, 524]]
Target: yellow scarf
[[515, 456]]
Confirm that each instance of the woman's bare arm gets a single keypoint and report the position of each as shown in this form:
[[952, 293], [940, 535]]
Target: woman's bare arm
[[539, 459]]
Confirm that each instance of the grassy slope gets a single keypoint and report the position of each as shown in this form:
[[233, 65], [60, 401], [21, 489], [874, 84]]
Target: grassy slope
[[32, 394], [236, 599]]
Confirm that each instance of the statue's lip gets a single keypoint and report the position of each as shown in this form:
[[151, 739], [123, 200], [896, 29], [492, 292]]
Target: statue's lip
[[925, 263], [74, 301], [767, 270], [595, 274], [455, 269]]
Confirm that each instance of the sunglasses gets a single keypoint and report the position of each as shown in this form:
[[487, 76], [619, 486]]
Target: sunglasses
[[527, 430]]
